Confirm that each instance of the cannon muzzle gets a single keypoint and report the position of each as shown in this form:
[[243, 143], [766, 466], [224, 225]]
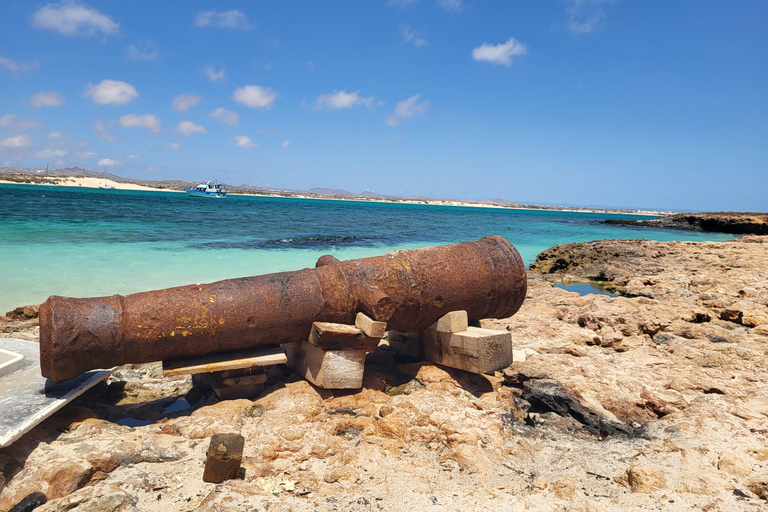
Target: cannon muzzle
[[407, 289]]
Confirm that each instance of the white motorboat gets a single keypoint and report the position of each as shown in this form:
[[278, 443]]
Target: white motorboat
[[211, 188]]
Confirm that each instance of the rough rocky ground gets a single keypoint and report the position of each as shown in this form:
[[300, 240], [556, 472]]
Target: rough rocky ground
[[656, 400]]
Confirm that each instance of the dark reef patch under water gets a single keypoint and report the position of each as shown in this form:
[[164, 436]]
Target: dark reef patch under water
[[296, 242]]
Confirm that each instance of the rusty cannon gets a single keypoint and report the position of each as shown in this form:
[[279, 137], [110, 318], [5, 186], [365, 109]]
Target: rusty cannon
[[408, 289]]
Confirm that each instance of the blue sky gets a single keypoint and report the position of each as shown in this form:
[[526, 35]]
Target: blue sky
[[579, 102]]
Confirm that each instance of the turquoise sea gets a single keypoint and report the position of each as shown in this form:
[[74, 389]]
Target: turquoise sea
[[88, 242]]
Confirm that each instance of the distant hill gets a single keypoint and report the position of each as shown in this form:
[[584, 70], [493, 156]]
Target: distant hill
[[331, 191]]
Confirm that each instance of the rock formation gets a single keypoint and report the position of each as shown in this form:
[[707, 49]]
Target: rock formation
[[654, 399], [739, 223]]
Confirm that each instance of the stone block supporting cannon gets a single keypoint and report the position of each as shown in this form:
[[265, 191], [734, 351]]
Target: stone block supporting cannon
[[407, 290]]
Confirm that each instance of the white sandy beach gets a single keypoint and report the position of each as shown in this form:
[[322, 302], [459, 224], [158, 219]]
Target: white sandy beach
[[88, 182]]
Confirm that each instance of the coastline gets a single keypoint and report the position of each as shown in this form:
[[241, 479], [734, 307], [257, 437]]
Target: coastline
[[88, 182], [94, 182]]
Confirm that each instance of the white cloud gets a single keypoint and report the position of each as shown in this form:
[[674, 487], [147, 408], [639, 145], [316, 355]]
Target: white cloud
[[17, 141], [112, 92], [149, 121], [87, 154], [412, 36], [214, 75], [50, 153], [451, 5], [225, 116], [144, 51], [183, 102], [501, 54], [245, 142], [102, 132], [47, 99], [223, 19], [255, 96], [408, 108], [341, 99], [55, 135], [18, 67], [286, 143], [174, 145], [134, 156], [188, 128], [586, 16], [73, 18], [106, 162], [7, 120], [28, 124]]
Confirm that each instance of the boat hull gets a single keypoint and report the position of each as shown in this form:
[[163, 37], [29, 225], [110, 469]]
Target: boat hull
[[197, 193]]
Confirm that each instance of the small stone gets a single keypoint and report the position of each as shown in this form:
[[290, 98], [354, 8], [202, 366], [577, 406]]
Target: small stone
[[645, 480], [565, 488], [733, 465], [759, 486], [277, 506], [540, 483]]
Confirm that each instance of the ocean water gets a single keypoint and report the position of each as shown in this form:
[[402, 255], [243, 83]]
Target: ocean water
[[88, 242]]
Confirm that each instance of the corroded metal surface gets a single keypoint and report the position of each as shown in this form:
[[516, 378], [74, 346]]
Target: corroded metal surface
[[407, 289]]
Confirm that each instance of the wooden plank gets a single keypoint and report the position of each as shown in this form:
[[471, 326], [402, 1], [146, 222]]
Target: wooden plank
[[327, 369], [370, 327], [220, 361], [332, 336], [455, 321]]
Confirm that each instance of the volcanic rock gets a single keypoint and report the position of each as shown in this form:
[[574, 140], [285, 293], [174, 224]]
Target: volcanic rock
[[738, 223]]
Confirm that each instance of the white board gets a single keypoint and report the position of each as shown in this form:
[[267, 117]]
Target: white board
[[27, 398]]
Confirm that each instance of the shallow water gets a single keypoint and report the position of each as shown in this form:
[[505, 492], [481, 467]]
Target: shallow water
[[90, 242], [585, 289]]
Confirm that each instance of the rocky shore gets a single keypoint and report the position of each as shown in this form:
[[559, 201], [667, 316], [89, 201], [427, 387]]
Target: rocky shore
[[654, 400], [738, 223]]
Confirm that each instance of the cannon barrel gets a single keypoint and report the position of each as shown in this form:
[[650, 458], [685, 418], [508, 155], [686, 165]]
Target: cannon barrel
[[408, 289]]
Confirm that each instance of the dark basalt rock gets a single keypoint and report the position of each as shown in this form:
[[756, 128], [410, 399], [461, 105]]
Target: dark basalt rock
[[737, 223], [547, 395]]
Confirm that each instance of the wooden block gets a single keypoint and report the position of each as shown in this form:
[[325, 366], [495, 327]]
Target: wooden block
[[234, 384], [327, 369], [331, 336], [406, 343], [475, 350], [455, 321], [223, 458], [220, 361], [479, 350], [370, 327]]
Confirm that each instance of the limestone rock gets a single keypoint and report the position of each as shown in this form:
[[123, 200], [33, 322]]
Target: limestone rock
[[733, 465], [759, 486], [643, 479]]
